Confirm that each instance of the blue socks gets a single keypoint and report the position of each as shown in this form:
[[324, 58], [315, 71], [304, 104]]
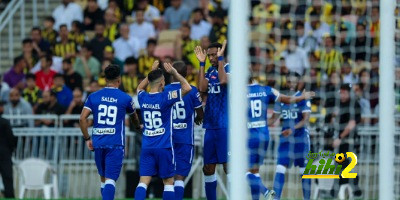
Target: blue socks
[[306, 183], [211, 187], [169, 193], [140, 193], [179, 189], [256, 185], [102, 184], [279, 180], [109, 190]]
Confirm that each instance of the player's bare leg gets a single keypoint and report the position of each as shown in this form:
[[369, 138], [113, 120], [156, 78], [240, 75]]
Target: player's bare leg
[[140, 193], [257, 186], [168, 193], [109, 189], [210, 181], [179, 186]]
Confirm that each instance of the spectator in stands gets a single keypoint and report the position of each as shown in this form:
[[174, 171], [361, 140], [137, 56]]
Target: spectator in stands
[[65, 48], [205, 42], [102, 77], [8, 143], [72, 79], [16, 107], [126, 45], [370, 92], [44, 77], [331, 89], [76, 34], [265, 14], [147, 60], [347, 73], [32, 93], [151, 13], [219, 28], [375, 25], [99, 42], [50, 106], [64, 94], [199, 26], [55, 66], [176, 15], [87, 65], [66, 13], [364, 103], [296, 58], [363, 44], [109, 53], [113, 5], [142, 29], [192, 74], [305, 40], [347, 140], [375, 69], [48, 32], [185, 46], [93, 87], [92, 15], [4, 90], [75, 107], [31, 56], [131, 79], [40, 45], [15, 76], [316, 27], [111, 25], [322, 9], [331, 59]]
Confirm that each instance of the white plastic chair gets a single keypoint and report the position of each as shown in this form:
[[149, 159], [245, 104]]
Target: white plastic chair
[[33, 177], [323, 185], [342, 192]]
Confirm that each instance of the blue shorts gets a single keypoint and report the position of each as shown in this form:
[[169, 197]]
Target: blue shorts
[[109, 161], [155, 162], [258, 145], [183, 158], [215, 149], [293, 149]]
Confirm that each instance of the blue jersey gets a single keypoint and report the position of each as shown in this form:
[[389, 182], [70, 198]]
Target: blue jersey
[[216, 111], [183, 114], [293, 114], [109, 107], [156, 111], [259, 97]]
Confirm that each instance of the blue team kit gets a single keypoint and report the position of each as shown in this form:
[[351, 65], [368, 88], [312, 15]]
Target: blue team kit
[[109, 107]]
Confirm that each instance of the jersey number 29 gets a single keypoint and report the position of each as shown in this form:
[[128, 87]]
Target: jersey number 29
[[110, 114]]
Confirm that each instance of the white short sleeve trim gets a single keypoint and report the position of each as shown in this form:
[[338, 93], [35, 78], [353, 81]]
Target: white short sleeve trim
[[88, 108]]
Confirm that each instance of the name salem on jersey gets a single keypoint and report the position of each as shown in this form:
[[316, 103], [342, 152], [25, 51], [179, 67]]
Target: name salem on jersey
[[151, 106], [109, 99]]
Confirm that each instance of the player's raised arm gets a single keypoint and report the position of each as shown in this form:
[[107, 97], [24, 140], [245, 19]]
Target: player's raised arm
[[143, 85], [83, 123], [186, 88], [222, 75], [291, 99], [201, 56]]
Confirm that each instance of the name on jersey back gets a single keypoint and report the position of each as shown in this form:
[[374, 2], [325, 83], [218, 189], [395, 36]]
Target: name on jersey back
[[151, 106], [109, 99], [258, 94]]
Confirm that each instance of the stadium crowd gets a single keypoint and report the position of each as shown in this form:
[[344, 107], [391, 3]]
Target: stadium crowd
[[63, 60]]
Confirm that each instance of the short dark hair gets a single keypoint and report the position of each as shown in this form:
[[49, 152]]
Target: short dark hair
[[215, 45], [186, 25], [180, 67], [154, 75], [346, 86], [27, 40], [198, 10], [100, 22], [151, 41], [58, 75], [63, 26], [67, 60], [48, 57], [50, 19], [30, 76], [36, 28], [112, 72], [18, 59], [87, 46], [131, 60]]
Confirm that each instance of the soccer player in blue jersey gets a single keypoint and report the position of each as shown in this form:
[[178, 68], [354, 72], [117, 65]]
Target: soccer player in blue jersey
[[183, 125], [259, 97], [294, 140], [213, 85], [109, 107], [157, 156]]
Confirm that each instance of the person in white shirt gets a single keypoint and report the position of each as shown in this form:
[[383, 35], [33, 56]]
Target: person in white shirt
[[199, 26], [316, 27], [151, 13], [66, 13], [295, 58], [125, 45], [142, 29]]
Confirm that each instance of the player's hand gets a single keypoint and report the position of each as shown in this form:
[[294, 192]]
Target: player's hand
[[168, 67], [155, 65], [89, 145], [287, 132], [200, 54], [308, 95], [221, 51], [198, 121], [336, 142]]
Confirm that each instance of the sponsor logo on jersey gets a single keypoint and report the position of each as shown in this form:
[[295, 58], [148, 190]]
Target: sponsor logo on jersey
[[103, 131], [180, 125], [257, 124], [173, 94], [153, 133]]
